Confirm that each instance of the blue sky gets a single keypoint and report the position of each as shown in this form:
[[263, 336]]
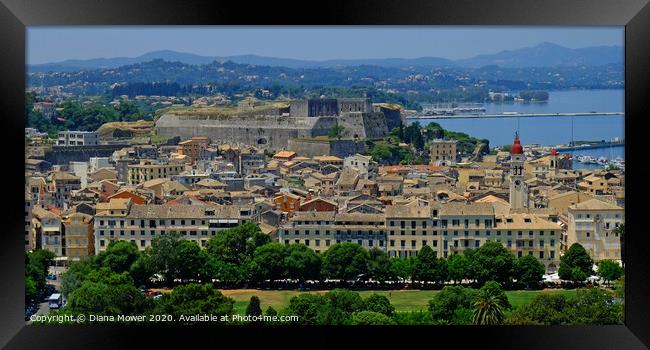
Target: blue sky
[[53, 44]]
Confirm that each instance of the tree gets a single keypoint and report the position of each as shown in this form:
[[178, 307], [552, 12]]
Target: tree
[[336, 132], [189, 260], [594, 306], [493, 288], [370, 318], [269, 262], [302, 263], [345, 261], [379, 265], [270, 311], [253, 308], [76, 274], [609, 270], [544, 309], [30, 289], [428, 267], [164, 256], [193, 299], [236, 245], [457, 267], [528, 270], [621, 236], [37, 264], [379, 303], [446, 305], [487, 311], [493, 263], [118, 256], [402, 267], [142, 269], [345, 300], [105, 292], [307, 307], [382, 153], [575, 264]]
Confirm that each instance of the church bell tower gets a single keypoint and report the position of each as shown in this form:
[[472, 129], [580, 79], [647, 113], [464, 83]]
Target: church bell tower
[[518, 192]]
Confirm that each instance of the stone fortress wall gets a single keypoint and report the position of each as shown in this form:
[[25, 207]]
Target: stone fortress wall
[[271, 130]]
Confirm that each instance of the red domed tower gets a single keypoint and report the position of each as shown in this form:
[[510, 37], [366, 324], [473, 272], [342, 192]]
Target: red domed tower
[[518, 192], [517, 148]]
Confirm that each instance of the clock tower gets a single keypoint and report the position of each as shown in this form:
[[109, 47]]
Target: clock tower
[[518, 191]]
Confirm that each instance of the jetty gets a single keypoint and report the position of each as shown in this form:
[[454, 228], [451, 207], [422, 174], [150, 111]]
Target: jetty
[[514, 115]]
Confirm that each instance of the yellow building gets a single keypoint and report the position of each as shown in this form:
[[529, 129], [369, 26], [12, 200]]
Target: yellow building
[[449, 228], [78, 235], [594, 185], [147, 170], [562, 201], [593, 224], [192, 148], [443, 152]]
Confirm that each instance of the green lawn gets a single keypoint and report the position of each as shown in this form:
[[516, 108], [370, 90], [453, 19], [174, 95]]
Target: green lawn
[[403, 300]]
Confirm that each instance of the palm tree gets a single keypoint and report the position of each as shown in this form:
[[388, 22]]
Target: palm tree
[[487, 310]]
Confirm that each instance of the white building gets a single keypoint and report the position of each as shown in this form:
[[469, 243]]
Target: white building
[[78, 138], [96, 163], [593, 225]]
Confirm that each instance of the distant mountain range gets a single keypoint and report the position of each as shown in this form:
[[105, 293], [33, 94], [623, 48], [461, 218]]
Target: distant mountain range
[[542, 55]]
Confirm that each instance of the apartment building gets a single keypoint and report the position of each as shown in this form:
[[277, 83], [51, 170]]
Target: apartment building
[[593, 224], [444, 152], [140, 224], [410, 228], [78, 138], [320, 230], [449, 228], [47, 228], [78, 235], [148, 170], [192, 148]]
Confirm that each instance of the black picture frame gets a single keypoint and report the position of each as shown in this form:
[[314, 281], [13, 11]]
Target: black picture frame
[[15, 15]]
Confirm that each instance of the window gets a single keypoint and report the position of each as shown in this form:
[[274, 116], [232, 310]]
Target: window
[[318, 242], [477, 243], [142, 243], [541, 255], [552, 254], [392, 243], [509, 244], [307, 242], [413, 244], [101, 243], [327, 242], [552, 243], [402, 243], [541, 243]]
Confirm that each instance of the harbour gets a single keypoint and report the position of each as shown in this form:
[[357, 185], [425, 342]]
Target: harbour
[[513, 115]]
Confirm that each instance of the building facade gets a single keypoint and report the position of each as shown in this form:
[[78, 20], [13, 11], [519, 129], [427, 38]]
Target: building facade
[[77, 138], [78, 235], [148, 170], [140, 224], [593, 224], [443, 152]]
